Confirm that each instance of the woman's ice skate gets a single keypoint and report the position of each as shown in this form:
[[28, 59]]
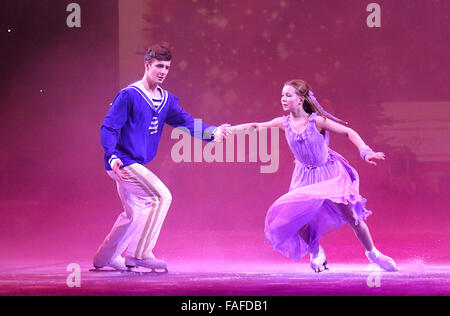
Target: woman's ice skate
[[319, 260], [150, 263], [384, 262]]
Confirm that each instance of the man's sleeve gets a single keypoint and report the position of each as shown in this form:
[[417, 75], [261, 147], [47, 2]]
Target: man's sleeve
[[178, 117], [112, 124]]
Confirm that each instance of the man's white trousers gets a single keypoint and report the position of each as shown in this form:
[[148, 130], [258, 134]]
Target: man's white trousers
[[145, 201]]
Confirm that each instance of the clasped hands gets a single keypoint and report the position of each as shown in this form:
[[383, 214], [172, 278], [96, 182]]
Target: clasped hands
[[221, 132]]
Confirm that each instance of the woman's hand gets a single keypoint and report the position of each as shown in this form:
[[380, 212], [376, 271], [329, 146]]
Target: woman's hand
[[374, 155]]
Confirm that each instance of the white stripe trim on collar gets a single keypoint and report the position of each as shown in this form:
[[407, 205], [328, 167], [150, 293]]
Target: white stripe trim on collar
[[138, 86]]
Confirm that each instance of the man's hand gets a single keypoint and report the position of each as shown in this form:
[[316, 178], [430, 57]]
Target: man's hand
[[119, 172]]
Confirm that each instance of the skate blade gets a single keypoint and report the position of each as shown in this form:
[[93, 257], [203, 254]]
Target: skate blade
[[318, 270], [158, 270], [148, 271], [108, 270], [390, 267]]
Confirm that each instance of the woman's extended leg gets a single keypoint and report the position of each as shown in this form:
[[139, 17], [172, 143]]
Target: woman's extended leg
[[362, 232], [360, 229]]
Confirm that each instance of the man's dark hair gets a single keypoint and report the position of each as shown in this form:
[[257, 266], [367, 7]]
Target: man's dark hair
[[159, 52]]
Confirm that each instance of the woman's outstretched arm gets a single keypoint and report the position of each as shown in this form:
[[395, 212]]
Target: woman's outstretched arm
[[366, 153], [276, 122]]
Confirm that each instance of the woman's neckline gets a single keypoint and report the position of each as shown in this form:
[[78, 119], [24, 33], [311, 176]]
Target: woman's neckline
[[292, 127]]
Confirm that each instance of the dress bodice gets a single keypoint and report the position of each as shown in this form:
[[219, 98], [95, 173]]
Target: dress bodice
[[309, 146]]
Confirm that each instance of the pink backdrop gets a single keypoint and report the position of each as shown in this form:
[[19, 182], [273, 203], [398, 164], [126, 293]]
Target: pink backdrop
[[230, 60]]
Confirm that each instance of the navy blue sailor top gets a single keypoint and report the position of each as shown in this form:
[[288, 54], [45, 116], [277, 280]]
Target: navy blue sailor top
[[133, 126]]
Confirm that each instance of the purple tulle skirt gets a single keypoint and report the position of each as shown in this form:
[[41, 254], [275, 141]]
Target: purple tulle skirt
[[313, 199]]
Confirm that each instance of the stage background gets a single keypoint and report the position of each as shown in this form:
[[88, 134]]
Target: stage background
[[230, 61]]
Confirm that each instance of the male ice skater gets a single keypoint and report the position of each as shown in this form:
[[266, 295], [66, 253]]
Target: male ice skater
[[130, 135]]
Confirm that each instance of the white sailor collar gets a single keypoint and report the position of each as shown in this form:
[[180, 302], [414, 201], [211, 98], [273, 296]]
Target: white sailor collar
[[139, 87]]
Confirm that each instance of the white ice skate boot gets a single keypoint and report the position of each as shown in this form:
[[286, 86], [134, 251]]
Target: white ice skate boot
[[149, 263], [318, 260], [384, 262], [117, 263]]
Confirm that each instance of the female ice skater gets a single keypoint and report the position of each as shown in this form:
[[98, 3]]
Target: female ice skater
[[324, 191]]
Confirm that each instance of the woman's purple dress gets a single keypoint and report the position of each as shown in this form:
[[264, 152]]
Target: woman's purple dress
[[322, 178]]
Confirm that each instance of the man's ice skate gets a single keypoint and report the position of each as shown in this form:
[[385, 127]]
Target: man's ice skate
[[153, 264], [118, 264], [319, 260], [384, 262]]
